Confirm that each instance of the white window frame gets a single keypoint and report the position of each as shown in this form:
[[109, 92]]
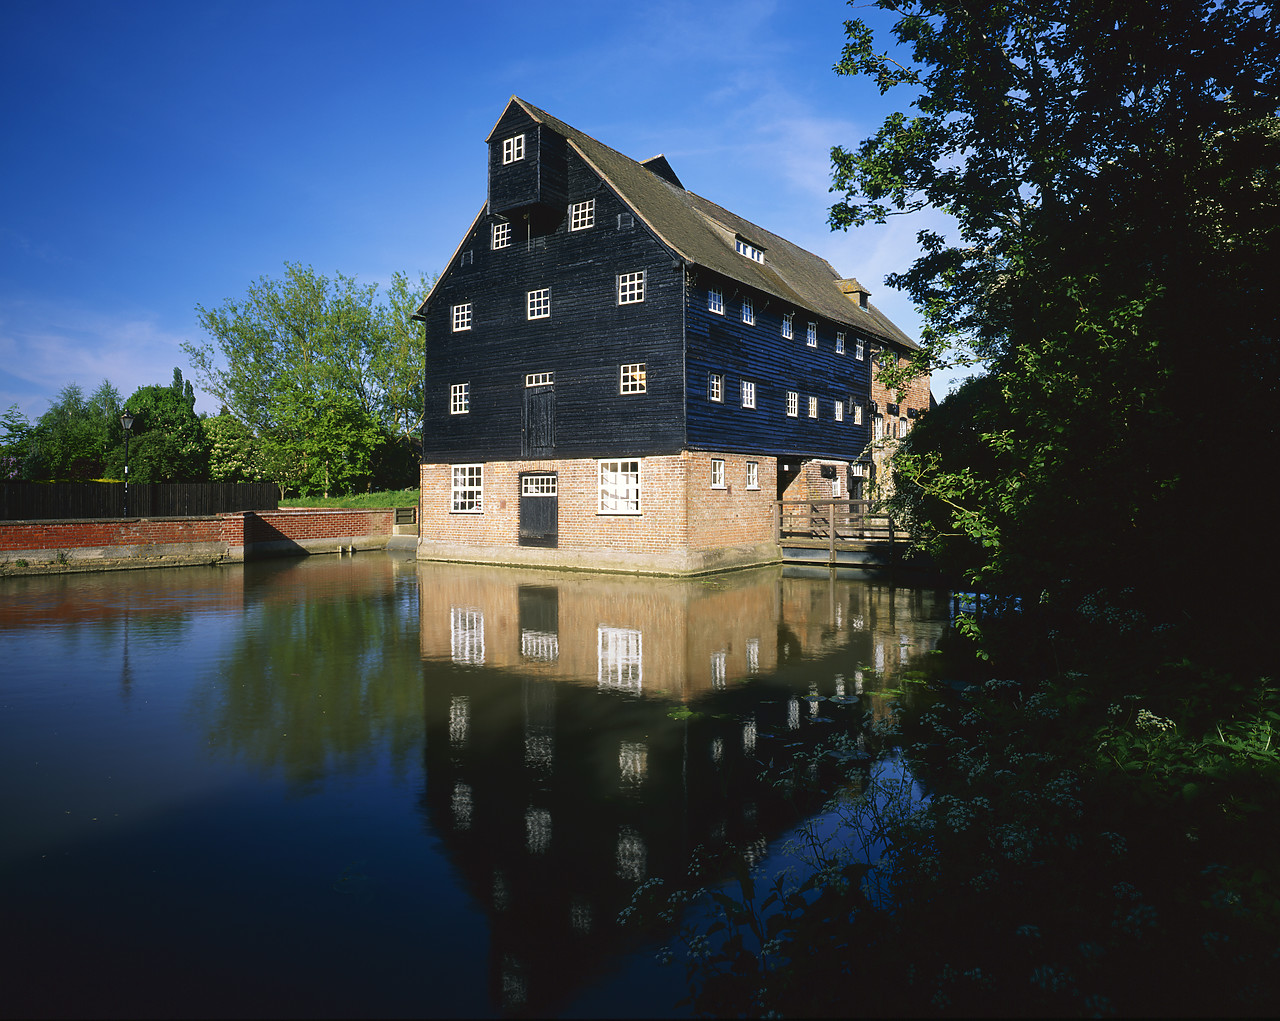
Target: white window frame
[[717, 473], [618, 482], [715, 387], [839, 343], [753, 474], [857, 412], [811, 335], [715, 300], [538, 304], [632, 378], [839, 410], [539, 485], [512, 149], [748, 394], [860, 349], [462, 317], [501, 236], [748, 312], [466, 490], [460, 399], [540, 379], [748, 250], [631, 288], [582, 215], [788, 325], [813, 407], [793, 404]]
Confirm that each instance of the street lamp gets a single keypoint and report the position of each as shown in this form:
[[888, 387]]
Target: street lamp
[[126, 421]]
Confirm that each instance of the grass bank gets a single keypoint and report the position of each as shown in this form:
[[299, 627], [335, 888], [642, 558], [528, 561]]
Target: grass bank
[[360, 501]]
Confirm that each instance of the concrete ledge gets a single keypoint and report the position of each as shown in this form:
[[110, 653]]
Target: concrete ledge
[[673, 563]]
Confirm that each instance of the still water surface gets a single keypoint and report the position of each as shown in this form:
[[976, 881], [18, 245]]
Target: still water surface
[[340, 786]]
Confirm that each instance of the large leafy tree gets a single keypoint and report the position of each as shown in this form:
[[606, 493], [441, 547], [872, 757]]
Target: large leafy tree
[[168, 443], [1111, 169], [320, 370], [73, 440]]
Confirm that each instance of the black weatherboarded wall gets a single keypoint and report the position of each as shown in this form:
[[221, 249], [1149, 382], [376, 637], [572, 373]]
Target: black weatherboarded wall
[[58, 501]]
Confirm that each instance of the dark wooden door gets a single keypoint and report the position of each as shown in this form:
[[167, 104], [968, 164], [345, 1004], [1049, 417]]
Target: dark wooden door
[[539, 509], [538, 436]]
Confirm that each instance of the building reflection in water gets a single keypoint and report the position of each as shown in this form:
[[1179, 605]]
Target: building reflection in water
[[584, 733]]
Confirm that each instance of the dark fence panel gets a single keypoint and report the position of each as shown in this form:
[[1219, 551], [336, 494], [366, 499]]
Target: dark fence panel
[[38, 501]]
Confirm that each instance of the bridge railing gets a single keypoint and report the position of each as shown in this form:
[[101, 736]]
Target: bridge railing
[[835, 521]]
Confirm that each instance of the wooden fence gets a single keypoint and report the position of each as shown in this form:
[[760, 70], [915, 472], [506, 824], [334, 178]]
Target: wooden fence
[[39, 501]]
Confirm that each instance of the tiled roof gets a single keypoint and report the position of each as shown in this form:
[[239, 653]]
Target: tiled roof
[[704, 234]]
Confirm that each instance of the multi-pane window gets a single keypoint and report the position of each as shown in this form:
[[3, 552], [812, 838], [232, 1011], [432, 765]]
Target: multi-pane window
[[631, 378], [513, 149], [715, 301], [839, 411], [839, 343], [501, 236], [715, 386], [717, 473], [787, 325], [630, 288], [793, 403], [753, 475], [619, 487], [748, 394], [748, 312], [539, 379], [620, 658], [459, 398], [877, 428], [857, 411], [468, 489], [462, 317], [538, 485], [811, 335], [813, 407], [582, 215], [749, 250], [860, 349], [539, 305]]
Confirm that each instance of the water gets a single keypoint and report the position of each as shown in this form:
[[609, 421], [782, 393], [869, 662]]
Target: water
[[338, 786]]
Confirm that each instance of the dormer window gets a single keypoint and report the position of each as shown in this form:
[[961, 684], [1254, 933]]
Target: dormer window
[[513, 149], [750, 251]]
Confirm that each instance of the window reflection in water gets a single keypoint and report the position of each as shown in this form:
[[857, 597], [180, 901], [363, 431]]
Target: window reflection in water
[[631, 855], [501, 892], [620, 659], [537, 829], [633, 762], [719, 669], [466, 635], [580, 915], [749, 737], [459, 720], [461, 804]]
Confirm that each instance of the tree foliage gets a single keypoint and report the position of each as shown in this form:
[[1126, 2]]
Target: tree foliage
[[167, 442], [72, 441], [1112, 171], [320, 370]]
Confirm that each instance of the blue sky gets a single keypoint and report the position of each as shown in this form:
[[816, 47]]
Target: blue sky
[[164, 155]]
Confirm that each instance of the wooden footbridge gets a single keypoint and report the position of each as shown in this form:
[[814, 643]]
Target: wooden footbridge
[[853, 533]]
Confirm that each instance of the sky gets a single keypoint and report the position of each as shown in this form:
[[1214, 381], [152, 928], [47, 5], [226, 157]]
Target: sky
[[162, 156]]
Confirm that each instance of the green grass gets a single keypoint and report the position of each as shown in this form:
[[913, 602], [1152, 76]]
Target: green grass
[[395, 498]]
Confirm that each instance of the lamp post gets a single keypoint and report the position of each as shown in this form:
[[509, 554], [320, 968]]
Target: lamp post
[[126, 421]]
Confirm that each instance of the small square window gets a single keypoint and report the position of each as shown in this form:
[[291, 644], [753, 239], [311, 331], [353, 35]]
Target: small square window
[[753, 475], [787, 328], [459, 398], [631, 379], [630, 288], [813, 407], [717, 473], [748, 394], [748, 312], [811, 335], [860, 349], [462, 317], [468, 258], [839, 411], [513, 149], [582, 215], [715, 386], [715, 301], [467, 491], [839, 343], [540, 303], [793, 404], [501, 236]]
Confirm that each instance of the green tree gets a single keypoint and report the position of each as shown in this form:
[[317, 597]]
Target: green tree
[[73, 440], [168, 443], [319, 370], [234, 452], [1112, 172]]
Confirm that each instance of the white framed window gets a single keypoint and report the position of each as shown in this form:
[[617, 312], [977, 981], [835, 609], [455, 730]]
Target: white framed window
[[715, 387], [467, 258], [513, 149], [860, 349], [717, 473], [715, 301], [538, 485], [540, 379], [813, 407], [748, 312], [857, 411], [631, 378], [753, 474], [793, 404], [749, 250], [839, 411], [902, 428], [619, 487], [582, 215], [839, 343], [462, 317], [748, 394], [501, 237], [877, 428], [467, 492], [630, 288], [539, 305], [459, 398], [788, 325], [811, 335]]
